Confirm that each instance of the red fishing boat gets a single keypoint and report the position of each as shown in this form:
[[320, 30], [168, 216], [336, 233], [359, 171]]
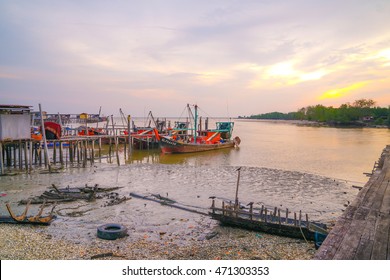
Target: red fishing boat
[[186, 140], [52, 130]]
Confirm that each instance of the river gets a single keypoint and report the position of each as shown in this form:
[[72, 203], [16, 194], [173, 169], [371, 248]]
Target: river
[[283, 165]]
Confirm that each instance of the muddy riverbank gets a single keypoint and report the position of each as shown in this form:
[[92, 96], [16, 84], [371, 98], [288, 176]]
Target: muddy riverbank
[[161, 232]]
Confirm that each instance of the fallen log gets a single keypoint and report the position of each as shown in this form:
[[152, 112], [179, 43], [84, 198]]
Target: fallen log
[[157, 198]]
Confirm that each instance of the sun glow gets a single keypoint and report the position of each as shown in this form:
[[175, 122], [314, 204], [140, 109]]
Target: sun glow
[[340, 92]]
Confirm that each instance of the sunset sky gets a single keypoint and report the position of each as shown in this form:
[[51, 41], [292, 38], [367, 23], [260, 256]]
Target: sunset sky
[[229, 57]]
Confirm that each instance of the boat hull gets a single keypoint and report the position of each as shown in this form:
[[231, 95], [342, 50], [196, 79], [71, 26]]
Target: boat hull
[[169, 146], [267, 227]]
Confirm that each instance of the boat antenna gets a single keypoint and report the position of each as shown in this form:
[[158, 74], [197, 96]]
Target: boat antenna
[[195, 122]]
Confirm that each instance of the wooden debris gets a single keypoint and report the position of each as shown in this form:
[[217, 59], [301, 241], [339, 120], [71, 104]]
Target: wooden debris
[[24, 219]]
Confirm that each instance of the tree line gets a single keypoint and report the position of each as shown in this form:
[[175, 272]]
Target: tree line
[[362, 112]]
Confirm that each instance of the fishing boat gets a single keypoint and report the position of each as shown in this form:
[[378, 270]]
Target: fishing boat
[[183, 139], [53, 130]]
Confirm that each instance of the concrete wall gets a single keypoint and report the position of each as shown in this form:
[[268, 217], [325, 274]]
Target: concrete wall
[[15, 127]]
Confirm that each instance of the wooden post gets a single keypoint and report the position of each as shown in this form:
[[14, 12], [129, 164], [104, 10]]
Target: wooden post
[[300, 217], [238, 183], [109, 148], [307, 221], [265, 216], [31, 154], [54, 152], [251, 211], [295, 219], [280, 221], [1, 159], [6, 156], [20, 155], [100, 149], [213, 206], [25, 156], [61, 154], [125, 149], [70, 150], [93, 152], [129, 133], [286, 215], [84, 149], [223, 208], [15, 156], [44, 139], [117, 150], [116, 141], [36, 152], [261, 212], [40, 153]]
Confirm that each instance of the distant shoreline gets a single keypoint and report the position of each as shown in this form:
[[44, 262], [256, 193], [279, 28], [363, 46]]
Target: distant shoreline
[[315, 123]]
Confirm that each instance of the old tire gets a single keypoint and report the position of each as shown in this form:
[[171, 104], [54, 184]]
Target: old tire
[[111, 231]]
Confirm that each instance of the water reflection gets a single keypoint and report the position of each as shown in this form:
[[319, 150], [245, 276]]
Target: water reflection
[[216, 157]]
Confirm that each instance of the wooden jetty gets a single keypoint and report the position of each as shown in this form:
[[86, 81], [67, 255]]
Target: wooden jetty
[[363, 231], [24, 155]]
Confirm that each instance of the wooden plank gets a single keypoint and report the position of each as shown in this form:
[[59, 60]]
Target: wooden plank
[[333, 241], [385, 207], [364, 249], [379, 250], [379, 196], [352, 235]]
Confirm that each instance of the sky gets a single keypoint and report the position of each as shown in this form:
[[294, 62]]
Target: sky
[[229, 57]]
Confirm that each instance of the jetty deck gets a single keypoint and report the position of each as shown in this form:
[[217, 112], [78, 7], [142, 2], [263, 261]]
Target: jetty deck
[[363, 231]]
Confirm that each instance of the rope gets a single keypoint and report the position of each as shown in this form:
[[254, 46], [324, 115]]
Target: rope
[[300, 228]]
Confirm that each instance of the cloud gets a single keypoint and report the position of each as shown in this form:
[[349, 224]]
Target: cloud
[[143, 53], [342, 92]]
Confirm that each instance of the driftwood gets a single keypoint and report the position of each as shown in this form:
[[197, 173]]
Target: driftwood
[[105, 255], [57, 195], [166, 201], [115, 201]]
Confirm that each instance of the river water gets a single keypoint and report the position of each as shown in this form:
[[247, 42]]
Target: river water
[[283, 165]]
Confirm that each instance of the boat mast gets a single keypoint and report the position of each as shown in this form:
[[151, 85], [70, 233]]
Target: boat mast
[[195, 122]]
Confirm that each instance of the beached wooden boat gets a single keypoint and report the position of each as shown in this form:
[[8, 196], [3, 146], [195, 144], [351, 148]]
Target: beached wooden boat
[[38, 219], [181, 141], [268, 222]]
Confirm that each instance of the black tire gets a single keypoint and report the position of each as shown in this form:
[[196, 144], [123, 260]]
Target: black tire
[[111, 231]]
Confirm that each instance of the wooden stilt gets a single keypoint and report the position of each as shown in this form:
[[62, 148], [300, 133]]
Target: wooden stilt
[[54, 152], [61, 154], [31, 154], [20, 154], [47, 162], [1, 159], [25, 156], [15, 156], [100, 149]]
